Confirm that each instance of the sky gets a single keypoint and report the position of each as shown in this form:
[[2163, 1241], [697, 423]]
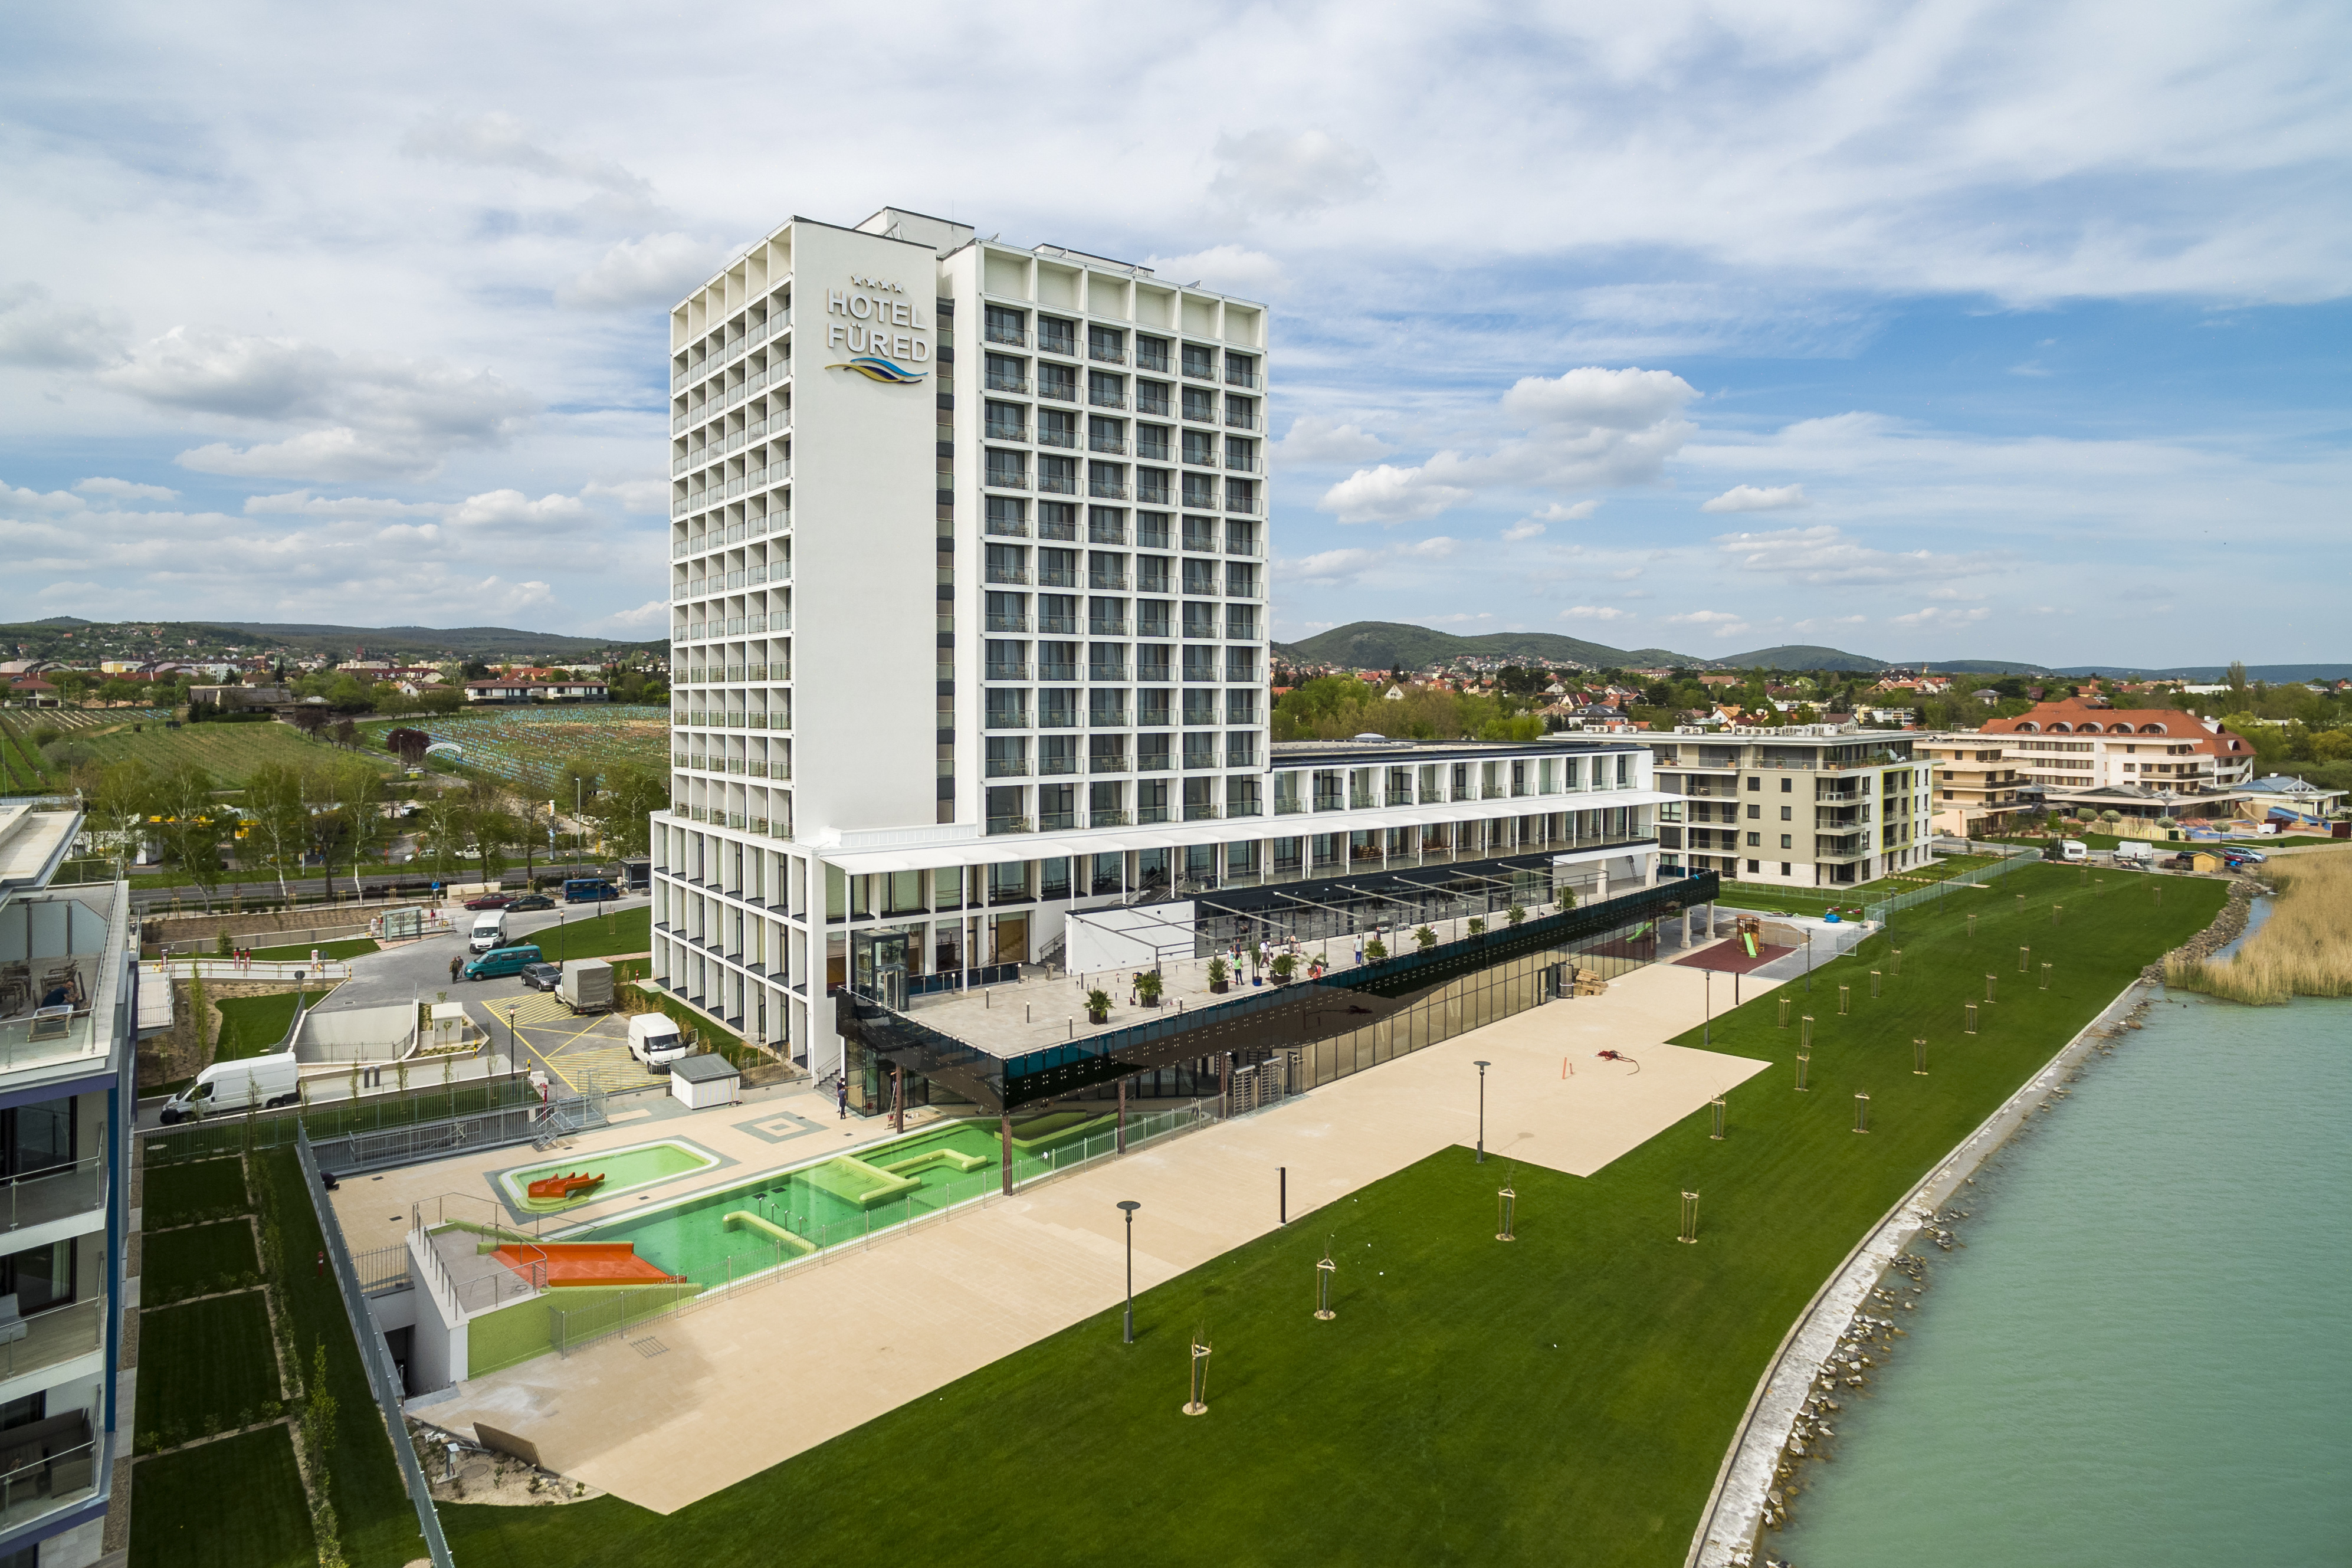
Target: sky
[[1955, 331]]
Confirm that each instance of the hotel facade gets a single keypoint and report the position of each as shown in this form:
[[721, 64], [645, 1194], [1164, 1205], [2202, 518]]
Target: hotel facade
[[969, 575]]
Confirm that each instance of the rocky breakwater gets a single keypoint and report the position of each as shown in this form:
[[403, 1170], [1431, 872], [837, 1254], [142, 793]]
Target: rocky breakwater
[[2227, 927]]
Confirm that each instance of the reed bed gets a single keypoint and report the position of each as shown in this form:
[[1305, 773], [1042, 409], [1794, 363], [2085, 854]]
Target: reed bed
[[2303, 949]]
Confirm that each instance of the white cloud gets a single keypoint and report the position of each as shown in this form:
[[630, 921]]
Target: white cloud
[[1595, 613], [338, 455], [1331, 567], [654, 271], [1437, 548], [40, 333], [1529, 528], [1721, 623], [1230, 269], [1822, 555], [1389, 494], [500, 141], [1748, 497], [1462, 619], [653, 616], [1313, 439], [1935, 616], [506, 509], [1568, 512], [1587, 426], [302, 503], [650, 495], [1266, 172], [124, 489], [19, 500]]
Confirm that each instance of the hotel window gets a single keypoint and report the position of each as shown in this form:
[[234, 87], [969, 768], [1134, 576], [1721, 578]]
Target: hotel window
[[1200, 621], [1057, 336], [1755, 840], [1055, 381], [1009, 516], [1152, 573], [1201, 362], [1241, 623], [1241, 706], [1241, 665], [1200, 753], [1151, 618], [1057, 755], [1787, 842], [1057, 709], [1152, 531], [1003, 326], [1200, 663], [1152, 755], [1057, 613], [1200, 708]]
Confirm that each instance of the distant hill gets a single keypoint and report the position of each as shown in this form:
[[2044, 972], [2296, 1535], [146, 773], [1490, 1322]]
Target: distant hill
[[2203, 673], [1391, 644], [1803, 656], [311, 638]]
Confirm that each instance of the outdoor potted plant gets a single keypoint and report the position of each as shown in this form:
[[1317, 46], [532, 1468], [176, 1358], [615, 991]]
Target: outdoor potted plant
[[1425, 938], [1376, 951], [1514, 914], [1285, 964], [1148, 986], [1098, 1005], [1217, 974], [1477, 925]]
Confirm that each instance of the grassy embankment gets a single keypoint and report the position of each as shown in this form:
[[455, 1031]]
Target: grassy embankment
[[2303, 949], [1566, 1397], [253, 1025], [351, 947], [201, 1365]]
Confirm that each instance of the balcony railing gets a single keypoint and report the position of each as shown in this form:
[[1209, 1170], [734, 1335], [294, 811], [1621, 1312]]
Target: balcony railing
[[1009, 825], [1242, 421], [1007, 767], [1006, 479], [1246, 465], [1047, 436], [44, 1196], [1012, 574], [1146, 401], [1200, 369], [59, 1335], [1102, 354], [1237, 376], [1001, 383], [1099, 398], [1245, 506], [1007, 432], [1146, 360], [1018, 337], [1057, 484], [1111, 444], [1015, 671], [1008, 623], [1106, 489], [1056, 343], [1060, 390]]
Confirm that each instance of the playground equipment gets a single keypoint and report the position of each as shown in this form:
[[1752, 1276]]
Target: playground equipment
[[1751, 931], [565, 1188]]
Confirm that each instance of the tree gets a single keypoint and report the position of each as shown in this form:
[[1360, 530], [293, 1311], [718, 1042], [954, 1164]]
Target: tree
[[116, 799], [441, 700], [488, 827], [193, 825], [359, 794], [346, 734], [308, 718], [445, 827], [623, 809], [408, 745], [279, 816]]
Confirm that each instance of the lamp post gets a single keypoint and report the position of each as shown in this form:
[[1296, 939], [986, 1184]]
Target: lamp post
[[1707, 1030], [511, 1048], [1482, 1110], [1128, 1207]]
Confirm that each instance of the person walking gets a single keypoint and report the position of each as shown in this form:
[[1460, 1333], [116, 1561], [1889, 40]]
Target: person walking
[[456, 962], [1360, 947], [841, 1095]]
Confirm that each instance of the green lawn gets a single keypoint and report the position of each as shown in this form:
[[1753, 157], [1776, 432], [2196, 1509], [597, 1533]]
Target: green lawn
[[252, 1026], [200, 1259], [372, 1512], [203, 1364], [177, 1194], [2174, 846], [588, 935], [236, 1503], [335, 950], [1567, 1397]]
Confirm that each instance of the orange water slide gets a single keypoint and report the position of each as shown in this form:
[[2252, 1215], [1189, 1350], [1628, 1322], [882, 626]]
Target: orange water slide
[[584, 1263]]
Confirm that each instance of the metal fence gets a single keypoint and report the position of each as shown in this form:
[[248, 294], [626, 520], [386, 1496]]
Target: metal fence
[[1975, 876], [277, 1128], [523, 1123], [384, 1376], [795, 1242], [380, 1269]]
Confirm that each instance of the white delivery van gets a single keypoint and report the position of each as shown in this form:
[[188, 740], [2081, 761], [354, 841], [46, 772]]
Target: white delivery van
[[2134, 852], [229, 1089], [489, 931], [655, 1040], [2073, 849]]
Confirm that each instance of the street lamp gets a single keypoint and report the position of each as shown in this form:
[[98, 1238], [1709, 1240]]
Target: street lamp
[[510, 1040], [1482, 1111], [1128, 1206]]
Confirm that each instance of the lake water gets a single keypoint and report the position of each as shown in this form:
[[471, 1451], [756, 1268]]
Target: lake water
[[2143, 1355]]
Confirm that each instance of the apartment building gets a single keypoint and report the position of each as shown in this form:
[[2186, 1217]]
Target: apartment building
[[68, 1006], [1812, 806], [1974, 782], [2144, 762], [969, 582]]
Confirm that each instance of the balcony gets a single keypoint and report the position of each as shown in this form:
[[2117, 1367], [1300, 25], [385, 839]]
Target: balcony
[[1007, 767], [1246, 465], [1108, 818], [1050, 342], [1060, 390], [1058, 484], [1245, 506], [1202, 811], [1104, 353], [1099, 397], [996, 432], [1110, 444], [997, 382], [1236, 420], [1200, 369], [55, 1337], [1008, 574], [53, 1194], [1145, 359], [1006, 479], [997, 825], [1106, 489], [1237, 376], [1017, 337], [1012, 671]]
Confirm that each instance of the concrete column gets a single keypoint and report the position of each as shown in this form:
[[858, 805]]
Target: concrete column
[[1122, 1116], [1005, 1133]]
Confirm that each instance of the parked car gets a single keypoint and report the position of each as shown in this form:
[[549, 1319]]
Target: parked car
[[503, 960], [2234, 857], [542, 976], [529, 901], [489, 901]]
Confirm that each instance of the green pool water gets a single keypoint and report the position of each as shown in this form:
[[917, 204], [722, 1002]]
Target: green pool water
[[838, 1199], [624, 1169]]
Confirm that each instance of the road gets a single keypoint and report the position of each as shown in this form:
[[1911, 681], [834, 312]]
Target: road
[[420, 971]]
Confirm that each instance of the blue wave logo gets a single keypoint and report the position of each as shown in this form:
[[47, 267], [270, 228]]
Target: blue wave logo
[[873, 367]]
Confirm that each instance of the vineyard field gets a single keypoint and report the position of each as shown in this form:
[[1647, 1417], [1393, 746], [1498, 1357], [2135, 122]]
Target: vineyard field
[[229, 753], [527, 746]]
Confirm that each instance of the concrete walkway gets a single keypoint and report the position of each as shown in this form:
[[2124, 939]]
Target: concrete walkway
[[744, 1383]]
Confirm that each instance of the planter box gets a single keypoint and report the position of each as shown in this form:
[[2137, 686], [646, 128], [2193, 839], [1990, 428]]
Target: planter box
[[1218, 986]]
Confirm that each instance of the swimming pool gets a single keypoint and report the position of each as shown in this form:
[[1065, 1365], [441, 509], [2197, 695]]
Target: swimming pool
[[624, 1170], [775, 1218]]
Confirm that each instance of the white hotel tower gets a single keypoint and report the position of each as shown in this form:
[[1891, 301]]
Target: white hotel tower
[[968, 576]]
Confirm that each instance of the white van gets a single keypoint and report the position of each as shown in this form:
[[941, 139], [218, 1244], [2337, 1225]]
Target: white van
[[229, 1089], [489, 931], [2134, 852], [653, 1040], [2072, 850]]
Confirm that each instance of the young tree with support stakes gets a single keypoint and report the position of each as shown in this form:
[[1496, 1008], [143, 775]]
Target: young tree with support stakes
[[359, 795], [278, 816]]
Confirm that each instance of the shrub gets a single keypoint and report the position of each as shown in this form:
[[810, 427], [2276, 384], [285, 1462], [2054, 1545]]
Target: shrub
[[1147, 986], [1426, 938], [1514, 914], [1376, 951], [1218, 972], [1477, 925], [1098, 1001]]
